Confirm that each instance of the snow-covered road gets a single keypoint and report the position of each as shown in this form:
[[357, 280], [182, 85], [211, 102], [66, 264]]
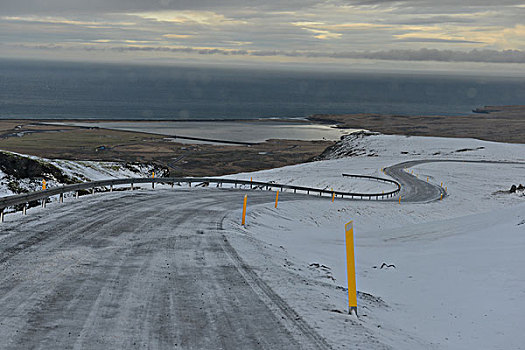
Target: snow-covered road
[[414, 189], [148, 269]]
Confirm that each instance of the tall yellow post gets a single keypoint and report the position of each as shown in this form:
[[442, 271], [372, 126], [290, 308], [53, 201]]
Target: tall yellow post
[[276, 198], [333, 197], [243, 222], [427, 178], [350, 267], [441, 196], [43, 184], [153, 175], [399, 199]]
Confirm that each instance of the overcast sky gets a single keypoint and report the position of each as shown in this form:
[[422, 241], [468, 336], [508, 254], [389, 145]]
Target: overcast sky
[[274, 31]]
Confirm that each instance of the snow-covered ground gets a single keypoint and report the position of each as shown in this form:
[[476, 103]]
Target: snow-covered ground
[[76, 171], [458, 281]]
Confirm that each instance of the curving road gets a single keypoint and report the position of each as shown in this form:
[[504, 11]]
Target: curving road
[[146, 269], [149, 270], [415, 190]]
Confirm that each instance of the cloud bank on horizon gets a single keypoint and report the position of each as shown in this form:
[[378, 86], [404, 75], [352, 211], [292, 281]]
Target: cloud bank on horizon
[[271, 31]]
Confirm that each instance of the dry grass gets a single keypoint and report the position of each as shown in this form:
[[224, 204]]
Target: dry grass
[[181, 159]]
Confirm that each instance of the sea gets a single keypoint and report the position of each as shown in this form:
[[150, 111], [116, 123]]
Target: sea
[[59, 90]]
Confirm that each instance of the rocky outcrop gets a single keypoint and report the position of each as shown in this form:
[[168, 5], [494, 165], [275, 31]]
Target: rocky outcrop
[[20, 167]]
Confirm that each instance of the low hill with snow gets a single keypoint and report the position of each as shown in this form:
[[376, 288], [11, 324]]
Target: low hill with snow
[[441, 275], [22, 173]]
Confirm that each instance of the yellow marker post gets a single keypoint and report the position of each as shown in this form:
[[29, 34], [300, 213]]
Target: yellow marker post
[[442, 184], [333, 197], [441, 196], [350, 267], [153, 183], [243, 222], [399, 199], [276, 198], [427, 178], [43, 185], [445, 188]]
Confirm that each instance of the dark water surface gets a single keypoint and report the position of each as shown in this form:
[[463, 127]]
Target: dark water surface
[[107, 91]]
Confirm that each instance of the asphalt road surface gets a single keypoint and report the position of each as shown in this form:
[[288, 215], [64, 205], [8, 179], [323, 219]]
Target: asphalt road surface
[[417, 190], [148, 269], [414, 189]]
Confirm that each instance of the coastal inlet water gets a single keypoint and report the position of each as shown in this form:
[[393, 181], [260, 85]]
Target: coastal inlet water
[[51, 90], [245, 131]]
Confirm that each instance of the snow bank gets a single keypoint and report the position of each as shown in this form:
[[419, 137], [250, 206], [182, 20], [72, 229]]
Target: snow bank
[[458, 279], [74, 171]]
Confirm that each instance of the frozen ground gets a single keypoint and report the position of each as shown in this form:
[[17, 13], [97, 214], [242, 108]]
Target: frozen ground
[[458, 279], [122, 273], [77, 171]]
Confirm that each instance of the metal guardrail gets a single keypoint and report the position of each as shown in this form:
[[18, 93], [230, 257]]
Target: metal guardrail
[[379, 179], [24, 199]]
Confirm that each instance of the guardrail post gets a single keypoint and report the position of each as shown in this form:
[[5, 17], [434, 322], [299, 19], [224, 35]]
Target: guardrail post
[[61, 198], [24, 210], [93, 190], [2, 216], [76, 194], [44, 202], [110, 188], [132, 188], [189, 183]]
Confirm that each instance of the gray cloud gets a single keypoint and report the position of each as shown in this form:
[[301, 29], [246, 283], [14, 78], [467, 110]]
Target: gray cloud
[[53, 7], [487, 56], [437, 40], [408, 30]]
